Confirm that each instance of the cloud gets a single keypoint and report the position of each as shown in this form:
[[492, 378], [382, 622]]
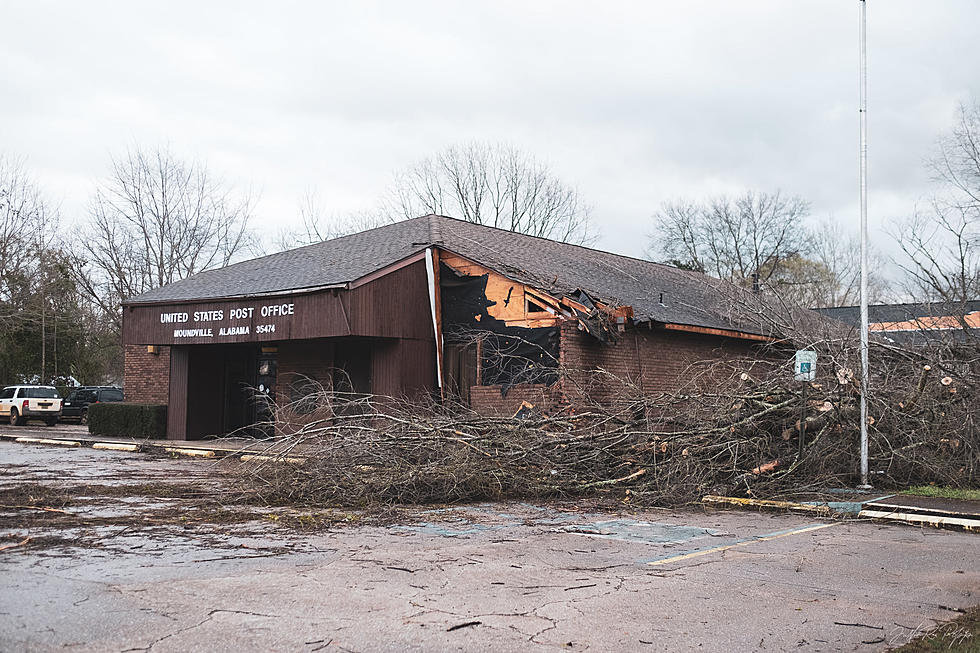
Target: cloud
[[634, 103]]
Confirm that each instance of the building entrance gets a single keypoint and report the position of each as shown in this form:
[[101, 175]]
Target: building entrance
[[230, 390]]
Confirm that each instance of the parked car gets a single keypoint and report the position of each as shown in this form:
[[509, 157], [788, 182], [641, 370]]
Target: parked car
[[79, 399], [19, 403]]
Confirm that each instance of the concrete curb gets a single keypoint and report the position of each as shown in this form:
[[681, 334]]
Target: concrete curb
[[61, 443], [715, 501], [918, 519], [259, 454], [116, 446], [907, 516], [186, 451]]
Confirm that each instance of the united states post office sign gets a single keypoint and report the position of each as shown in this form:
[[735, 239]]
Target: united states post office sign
[[303, 316]]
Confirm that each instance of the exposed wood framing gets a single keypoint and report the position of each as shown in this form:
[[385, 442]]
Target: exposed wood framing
[[511, 304], [479, 361], [510, 296], [511, 300]]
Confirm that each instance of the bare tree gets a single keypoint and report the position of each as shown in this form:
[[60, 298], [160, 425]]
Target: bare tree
[[957, 161], [829, 272], [317, 225], [739, 239], [156, 220], [27, 231], [941, 253], [941, 244], [24, 223], [495, 185]]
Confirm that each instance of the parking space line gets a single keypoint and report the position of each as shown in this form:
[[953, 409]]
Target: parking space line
[[748, 540]]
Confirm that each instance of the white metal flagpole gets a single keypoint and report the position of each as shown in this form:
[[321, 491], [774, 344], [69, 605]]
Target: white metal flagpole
[[863, 112]]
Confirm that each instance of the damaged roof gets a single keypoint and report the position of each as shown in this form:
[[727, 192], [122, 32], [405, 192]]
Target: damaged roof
[[657, 292]]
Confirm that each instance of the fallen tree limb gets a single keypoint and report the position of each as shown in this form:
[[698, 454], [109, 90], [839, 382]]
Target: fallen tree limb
[[15, 544], [638, 473], [712, 436]]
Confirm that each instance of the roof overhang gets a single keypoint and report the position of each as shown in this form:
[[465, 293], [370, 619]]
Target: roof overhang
[[228, 298]]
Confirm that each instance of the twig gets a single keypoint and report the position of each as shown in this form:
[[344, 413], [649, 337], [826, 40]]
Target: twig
[[840, 623], [465, 624], [15, 544], [37, 508], [636, 474]]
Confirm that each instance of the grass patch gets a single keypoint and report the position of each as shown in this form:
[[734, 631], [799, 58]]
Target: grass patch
[[961, 635], [942, 492]]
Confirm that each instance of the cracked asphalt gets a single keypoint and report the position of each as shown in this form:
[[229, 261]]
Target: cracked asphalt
[[500, 577]]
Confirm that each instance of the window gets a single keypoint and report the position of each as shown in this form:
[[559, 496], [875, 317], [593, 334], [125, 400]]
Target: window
[[534, 307], [7, 393], [111, 395], [39, 393]]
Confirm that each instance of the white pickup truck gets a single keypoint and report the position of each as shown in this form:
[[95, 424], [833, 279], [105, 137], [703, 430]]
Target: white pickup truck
[[19, 403]]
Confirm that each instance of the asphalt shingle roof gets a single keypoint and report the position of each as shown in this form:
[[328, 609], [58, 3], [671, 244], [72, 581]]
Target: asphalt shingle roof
[[899, 312], [657, 292]]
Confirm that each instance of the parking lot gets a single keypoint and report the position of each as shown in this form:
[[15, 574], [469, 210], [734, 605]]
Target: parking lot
[[130, 565]]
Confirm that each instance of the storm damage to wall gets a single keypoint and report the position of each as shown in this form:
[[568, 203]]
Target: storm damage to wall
[[486, 315], [507, 353], [505, 340]]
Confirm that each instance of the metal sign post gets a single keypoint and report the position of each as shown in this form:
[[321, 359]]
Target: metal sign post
[[805, 370]]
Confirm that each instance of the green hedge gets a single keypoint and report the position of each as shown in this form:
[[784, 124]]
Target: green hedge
[[119, 419]]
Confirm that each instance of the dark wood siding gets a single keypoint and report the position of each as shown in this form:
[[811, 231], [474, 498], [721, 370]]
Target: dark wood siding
[[314, 315], [382, 366], [418, 366], [177, 406], [393, 306], [460, 365], [381, 331], [205, 398]]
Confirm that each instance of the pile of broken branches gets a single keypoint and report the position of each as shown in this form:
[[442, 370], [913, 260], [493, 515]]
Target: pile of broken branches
[[734, 427]]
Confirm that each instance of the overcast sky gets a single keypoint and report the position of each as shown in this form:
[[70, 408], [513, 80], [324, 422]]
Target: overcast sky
[[633, 103]]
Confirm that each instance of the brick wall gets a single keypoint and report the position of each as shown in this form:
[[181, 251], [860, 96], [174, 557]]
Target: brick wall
[[486, 399], [655, 360], [300, 362], [146, 376]]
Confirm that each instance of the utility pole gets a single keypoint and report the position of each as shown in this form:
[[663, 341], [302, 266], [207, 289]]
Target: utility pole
[[863, 112], [44, 299]]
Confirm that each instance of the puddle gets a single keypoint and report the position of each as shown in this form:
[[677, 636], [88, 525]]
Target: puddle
[[450, 529], [483, 518], [630, 530]]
